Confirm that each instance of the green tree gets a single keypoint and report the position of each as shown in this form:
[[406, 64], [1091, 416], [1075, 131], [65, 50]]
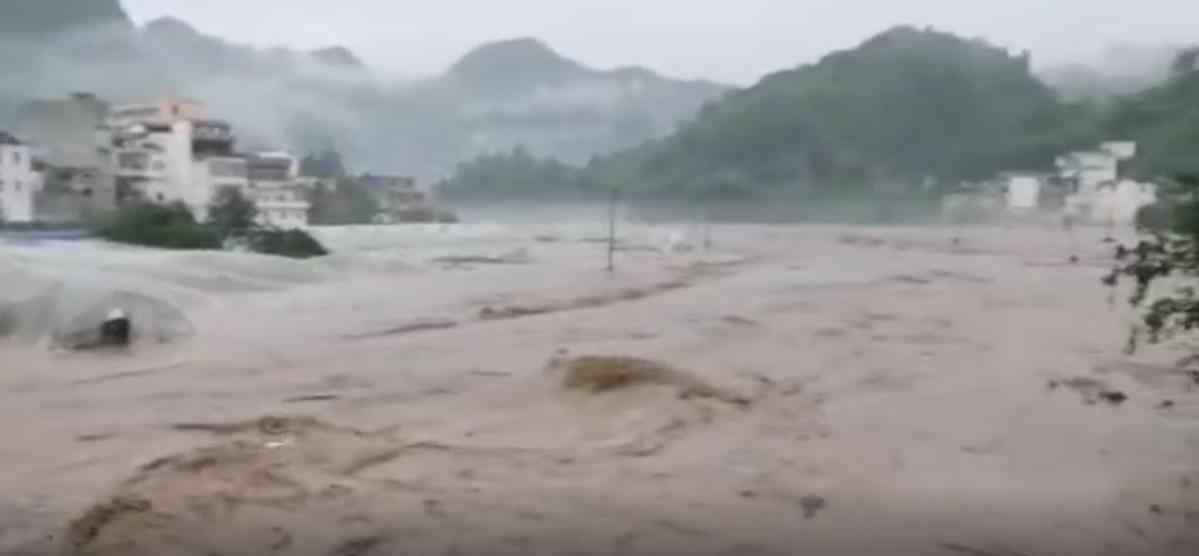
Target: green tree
[[513, 174], [327, 164], [231, 213], [167, 226], [1186, 62]]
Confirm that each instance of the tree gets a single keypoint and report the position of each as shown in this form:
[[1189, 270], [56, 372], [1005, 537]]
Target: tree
[[513, 174], [231, 213], [1186, 62], [328, 164], [1170, 252], [166, 226]]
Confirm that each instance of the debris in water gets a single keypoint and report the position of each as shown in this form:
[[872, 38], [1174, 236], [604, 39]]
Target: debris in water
[[115, 330], [1113, 397], [812, 505]]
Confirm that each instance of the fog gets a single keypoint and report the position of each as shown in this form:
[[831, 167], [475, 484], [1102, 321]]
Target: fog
[[282, 97], [730, 42]]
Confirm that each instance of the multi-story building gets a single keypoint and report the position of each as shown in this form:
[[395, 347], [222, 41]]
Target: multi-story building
[[278, 191], [18, 182], [169, 151], [63, 134]]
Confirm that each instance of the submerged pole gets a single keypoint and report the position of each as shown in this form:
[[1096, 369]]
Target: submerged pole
[[612, 231], [707, 226]]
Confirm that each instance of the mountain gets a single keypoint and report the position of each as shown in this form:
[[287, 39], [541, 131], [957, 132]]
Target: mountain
[[1164, 121], [338, 57], [499, 95], [514, 66], [44, 18], [521, 92], [905, 107]]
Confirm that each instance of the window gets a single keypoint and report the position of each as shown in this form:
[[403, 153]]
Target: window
[[228, 168], [16, 157], [133, 161]]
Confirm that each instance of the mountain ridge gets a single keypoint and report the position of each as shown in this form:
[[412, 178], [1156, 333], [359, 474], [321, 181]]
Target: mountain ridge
[[328, 98]]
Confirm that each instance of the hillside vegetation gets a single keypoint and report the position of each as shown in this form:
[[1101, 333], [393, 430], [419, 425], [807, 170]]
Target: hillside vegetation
[[1165, 122], [906, 115]]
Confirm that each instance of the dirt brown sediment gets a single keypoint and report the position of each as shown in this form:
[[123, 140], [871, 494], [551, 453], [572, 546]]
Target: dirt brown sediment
[[271, 483], [84, 530], [905, 416], [599, 374]]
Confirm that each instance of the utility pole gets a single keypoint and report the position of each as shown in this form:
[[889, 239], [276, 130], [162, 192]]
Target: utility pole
[[612, 230], [707, 225]]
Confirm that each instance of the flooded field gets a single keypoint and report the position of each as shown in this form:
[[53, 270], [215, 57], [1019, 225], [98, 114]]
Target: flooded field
[[494, 389]]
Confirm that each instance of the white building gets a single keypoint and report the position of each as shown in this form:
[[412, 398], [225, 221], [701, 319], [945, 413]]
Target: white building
[[168, 150], [1095, 168], [1023, 191], [18, 182], [1113, 203], [278, 191], [1100, 194]]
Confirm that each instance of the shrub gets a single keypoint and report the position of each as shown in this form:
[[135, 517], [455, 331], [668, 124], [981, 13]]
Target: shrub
[[1153, 218], [295, 244], [424, 215], [169, 226], [1169, 254]]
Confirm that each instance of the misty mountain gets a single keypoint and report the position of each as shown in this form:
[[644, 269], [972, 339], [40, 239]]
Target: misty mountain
[[906, 108], [521, 92], [1117, 70], [497, 96], [43, 18]]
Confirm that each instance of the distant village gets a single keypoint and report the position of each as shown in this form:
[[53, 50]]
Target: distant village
[[73, 159], [70, 160], [1089, 186]]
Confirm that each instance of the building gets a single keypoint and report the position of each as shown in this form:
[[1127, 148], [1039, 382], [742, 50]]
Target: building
[[64, 130], [64, 135], [1097, 190], [397, 197], [169, 151], [1023, 191], [165, 110], [278, 191], [1113, 203], [18, 182], [1089, 170]]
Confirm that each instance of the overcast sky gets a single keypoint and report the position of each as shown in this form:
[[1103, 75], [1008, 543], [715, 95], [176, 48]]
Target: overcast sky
[[729, 40]]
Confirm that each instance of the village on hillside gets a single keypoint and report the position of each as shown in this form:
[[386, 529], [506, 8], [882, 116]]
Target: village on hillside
[[73, 159], [70, 160], [1089, 186]]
